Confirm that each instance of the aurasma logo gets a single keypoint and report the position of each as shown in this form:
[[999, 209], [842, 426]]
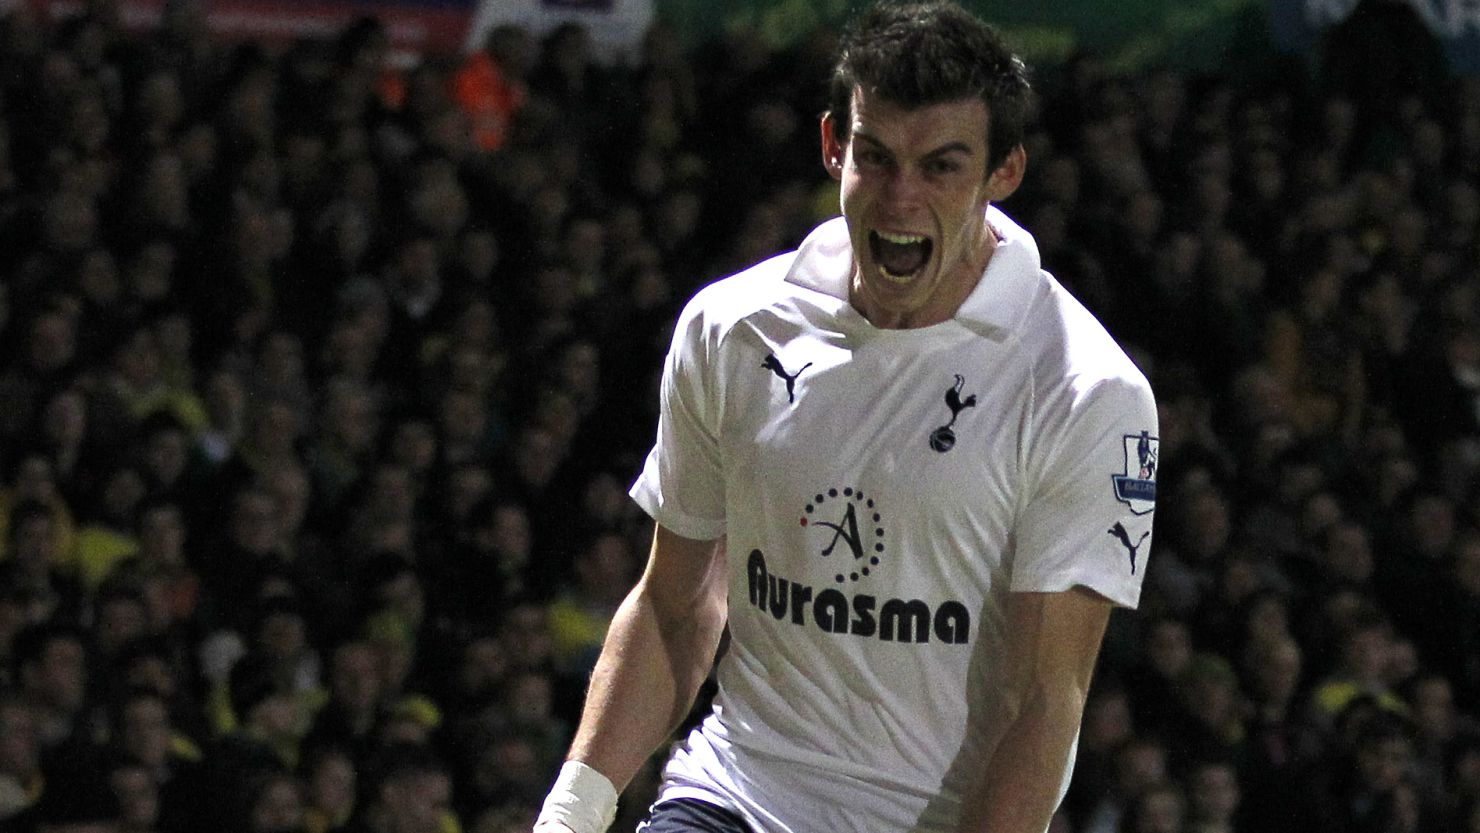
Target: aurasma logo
[[859, 614]]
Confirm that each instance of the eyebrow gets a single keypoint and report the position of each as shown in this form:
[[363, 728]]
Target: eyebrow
[[949, 147]]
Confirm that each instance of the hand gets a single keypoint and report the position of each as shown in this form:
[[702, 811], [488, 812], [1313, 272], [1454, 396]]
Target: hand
[[552, 827]]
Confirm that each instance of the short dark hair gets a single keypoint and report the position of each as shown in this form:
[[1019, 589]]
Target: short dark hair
[[33, 641], [399, 762], [918, 54]]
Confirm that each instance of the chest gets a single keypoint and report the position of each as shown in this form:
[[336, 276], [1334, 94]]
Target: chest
[[929, 424]]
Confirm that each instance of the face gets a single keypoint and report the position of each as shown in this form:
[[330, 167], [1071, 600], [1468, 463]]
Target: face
[[146, 730], [19, 745], [138, 797], [278, 807], [1215, 792], [914, 188], [356, 675], [418, 803], [332, 786], [61, 675]]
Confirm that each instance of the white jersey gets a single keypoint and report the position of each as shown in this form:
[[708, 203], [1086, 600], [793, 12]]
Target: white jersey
[[882, 491]]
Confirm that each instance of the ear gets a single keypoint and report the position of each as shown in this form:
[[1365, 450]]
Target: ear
[[833, 150], [1008, 176]]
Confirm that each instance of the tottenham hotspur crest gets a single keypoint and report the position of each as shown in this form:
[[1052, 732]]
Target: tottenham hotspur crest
[[943, 439], [1136, 488]]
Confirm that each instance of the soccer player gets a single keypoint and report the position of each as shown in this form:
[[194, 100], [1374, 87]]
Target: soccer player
[[908, 471]]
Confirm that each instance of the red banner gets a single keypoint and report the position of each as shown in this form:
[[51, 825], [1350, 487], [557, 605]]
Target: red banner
[[414, 27]]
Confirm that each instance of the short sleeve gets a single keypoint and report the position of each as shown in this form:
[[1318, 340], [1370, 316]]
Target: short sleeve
[[1087, 516], [682, 481]]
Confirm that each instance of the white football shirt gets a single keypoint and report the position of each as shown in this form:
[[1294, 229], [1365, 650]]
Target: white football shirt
[[881, 492]]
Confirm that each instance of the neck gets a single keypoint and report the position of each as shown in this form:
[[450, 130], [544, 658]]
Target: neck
[[943, 302]]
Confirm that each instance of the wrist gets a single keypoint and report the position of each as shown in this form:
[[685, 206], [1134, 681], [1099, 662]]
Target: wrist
[[582, 799]]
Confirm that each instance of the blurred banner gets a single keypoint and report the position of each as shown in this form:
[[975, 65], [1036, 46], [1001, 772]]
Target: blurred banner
[[414, 26], [1126, 34], [616, 27], [1299, 24]]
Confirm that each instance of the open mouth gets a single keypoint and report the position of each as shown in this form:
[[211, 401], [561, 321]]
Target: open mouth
[[900, 256]]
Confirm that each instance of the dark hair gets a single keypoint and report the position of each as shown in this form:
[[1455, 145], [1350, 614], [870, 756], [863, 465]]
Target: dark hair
[[398, 762], [26, 510], [917, 54], [250, 682], [117, 707], [33, 641]]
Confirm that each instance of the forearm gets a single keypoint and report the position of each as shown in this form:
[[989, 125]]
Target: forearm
[[1020, 787], [649, 673], [1039, 700]]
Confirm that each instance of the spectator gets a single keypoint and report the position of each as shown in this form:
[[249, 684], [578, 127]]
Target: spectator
[[107, 537], [137, 795], [1283, 743], [347, 427], [269, 724], [1139, 764], [408, 791], [1209, 722], [65, 441], [34, 480], [165, 458], [1107, 726], [356, 696], [45, 363], [1160, 808], [77, 799], [1372, 790], [604, 571], [328, 774], [20, 756], [1213, 798], [225, 408], [274, 804], [31, 563], [1365, 649], [142, 736], [50, 670], [1437, 727], [1152, 682]]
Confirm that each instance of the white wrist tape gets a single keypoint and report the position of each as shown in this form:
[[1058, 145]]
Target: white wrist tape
[[582, 799]]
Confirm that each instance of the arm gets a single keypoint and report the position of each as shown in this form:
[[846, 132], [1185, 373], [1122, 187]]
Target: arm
[[660, 647], [1049, 661]]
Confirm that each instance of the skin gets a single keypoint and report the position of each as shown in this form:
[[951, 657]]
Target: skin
[[663, 641], [657, 652], [917, 171], [905, 171], [1045, 684]]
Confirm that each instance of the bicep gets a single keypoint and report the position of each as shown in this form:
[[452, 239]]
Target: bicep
[[1055, 639], [685, 574], [1086, 516]]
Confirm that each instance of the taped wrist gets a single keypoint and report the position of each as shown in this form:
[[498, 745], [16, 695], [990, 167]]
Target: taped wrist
[[582, 799]]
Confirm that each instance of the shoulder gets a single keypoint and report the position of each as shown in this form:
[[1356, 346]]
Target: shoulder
[[715, 309], [1076, 363]]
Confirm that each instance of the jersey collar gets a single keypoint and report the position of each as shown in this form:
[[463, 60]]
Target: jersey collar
[[824, 263]]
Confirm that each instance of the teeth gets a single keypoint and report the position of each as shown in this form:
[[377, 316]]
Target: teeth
[[893, 278], [900, 239]]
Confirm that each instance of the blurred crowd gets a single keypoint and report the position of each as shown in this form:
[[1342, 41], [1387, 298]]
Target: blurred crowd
[[324, 379]]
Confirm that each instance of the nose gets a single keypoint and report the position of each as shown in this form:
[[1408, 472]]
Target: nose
[[903, 188]]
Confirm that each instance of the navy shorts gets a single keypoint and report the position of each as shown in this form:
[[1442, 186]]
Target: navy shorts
[[689, 815]]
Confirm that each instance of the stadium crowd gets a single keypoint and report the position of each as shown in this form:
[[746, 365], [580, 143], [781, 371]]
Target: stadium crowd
[[323, 380]]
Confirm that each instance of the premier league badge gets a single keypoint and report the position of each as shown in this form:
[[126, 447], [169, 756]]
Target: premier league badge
[[1136, 488]]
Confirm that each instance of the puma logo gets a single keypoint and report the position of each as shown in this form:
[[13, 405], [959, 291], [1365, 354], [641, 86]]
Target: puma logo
[[773, 364], [1120, 532]]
